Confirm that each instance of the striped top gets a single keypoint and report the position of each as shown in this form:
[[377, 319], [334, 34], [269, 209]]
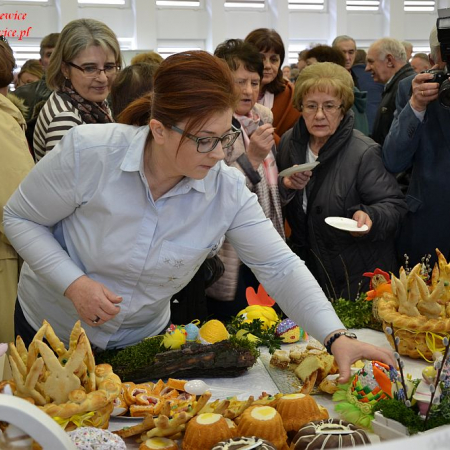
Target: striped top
[[56, 118]]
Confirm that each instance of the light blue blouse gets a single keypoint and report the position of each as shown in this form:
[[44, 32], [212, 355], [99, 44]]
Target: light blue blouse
[[86, 209]]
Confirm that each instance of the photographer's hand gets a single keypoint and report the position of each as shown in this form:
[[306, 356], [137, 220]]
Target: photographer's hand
[[423, 92]]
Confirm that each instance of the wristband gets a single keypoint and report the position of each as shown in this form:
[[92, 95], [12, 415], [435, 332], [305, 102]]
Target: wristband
[[337, 336]]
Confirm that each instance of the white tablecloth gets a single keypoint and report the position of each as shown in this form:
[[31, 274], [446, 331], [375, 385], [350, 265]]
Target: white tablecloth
[[257, 380]]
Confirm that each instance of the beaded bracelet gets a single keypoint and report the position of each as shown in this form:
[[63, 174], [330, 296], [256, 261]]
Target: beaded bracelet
[[337, 336]]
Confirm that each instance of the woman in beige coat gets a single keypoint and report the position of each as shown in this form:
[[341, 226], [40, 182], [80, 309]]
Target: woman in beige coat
[[15, 163]]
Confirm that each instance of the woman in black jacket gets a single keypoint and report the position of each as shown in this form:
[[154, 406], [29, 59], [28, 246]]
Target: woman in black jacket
[[350, 182]]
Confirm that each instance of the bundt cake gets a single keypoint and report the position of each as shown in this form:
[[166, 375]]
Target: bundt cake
[[331, 433], [298, 409], [244, 442], [206, 430], [264, 422]]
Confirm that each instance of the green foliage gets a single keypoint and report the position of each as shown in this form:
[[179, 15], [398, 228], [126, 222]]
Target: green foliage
[[357, 313], [135, 356], [396, 410], [265, 337], [410, 418], [245, 344]]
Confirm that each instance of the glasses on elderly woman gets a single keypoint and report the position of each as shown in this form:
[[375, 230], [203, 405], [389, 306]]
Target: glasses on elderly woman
[[208, 144], [94, 72], [327, 108]]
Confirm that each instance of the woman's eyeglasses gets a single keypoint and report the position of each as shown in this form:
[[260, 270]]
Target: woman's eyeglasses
[[327, 108], [94, 72], [208, 144]]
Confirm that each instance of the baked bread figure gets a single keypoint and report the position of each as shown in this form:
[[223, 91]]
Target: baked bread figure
[[415, 308]]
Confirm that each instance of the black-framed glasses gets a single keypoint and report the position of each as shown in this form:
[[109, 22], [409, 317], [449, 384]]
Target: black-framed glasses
[[2, 38], [208, 144], [327, 108], [94, 72]]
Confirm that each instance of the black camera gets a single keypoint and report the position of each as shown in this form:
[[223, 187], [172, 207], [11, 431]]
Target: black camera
[[441, 77]]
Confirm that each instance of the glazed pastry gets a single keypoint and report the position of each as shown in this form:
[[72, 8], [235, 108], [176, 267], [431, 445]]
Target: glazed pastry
[[244, 442], [331, 433], [90, 438]]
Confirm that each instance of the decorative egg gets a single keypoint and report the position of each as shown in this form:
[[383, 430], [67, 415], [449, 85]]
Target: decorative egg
[[290, 332], [265, 314], [372, 383], [196, 387], [175, 337], [212, 331], [192, 331]]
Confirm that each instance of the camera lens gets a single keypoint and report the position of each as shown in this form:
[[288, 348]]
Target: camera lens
[[444, 94]]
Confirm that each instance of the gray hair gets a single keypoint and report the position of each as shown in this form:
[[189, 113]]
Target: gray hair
[[390, 46], [435, 48], [342, 38], [75, 37]]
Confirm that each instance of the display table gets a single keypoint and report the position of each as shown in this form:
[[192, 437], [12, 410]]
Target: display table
[[260, 378]]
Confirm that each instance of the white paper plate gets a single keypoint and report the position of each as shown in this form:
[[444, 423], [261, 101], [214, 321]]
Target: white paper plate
[[342, 223], [300, 168]]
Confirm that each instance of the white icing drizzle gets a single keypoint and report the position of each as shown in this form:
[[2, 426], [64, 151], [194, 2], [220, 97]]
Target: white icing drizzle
[[318, 431]]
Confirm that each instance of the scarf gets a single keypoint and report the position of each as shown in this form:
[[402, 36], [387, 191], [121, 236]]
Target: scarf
[[90, 112], [249, 124]]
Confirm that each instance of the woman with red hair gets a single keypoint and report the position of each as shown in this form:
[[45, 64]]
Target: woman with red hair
[[117, 218]]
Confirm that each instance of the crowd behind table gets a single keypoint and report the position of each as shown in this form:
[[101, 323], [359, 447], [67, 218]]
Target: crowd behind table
[[116, 219]]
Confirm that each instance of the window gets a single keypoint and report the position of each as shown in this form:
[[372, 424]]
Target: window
[[363, 5], [317, 5], [419, 5], [102, 2], [254, 4], [167, 51], [22, 54], [179, 3]]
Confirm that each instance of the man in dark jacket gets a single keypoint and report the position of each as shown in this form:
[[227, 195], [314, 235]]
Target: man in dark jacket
[[420, 139], [386, 61]]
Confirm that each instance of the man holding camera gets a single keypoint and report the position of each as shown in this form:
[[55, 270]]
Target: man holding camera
[[419, 138]]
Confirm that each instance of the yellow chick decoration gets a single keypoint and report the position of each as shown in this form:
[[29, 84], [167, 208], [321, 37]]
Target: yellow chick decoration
[[175, 337], [265, 314], [212, 331]]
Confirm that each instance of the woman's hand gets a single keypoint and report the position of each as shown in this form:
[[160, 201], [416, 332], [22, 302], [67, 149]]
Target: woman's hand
[[94, 302], [297, 180], [363, 219], [347, 351], [261, 142]]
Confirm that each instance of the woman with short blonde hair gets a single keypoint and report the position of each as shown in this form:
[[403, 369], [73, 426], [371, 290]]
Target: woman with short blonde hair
[[325, 77], [349, 185]]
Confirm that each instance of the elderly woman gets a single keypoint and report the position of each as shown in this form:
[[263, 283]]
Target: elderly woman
[[350, 182], [276, 92], [118, 218], [253, 155], [82, 68], [15, 163]]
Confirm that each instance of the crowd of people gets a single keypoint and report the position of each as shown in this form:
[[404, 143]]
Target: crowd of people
[[165, 182]]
